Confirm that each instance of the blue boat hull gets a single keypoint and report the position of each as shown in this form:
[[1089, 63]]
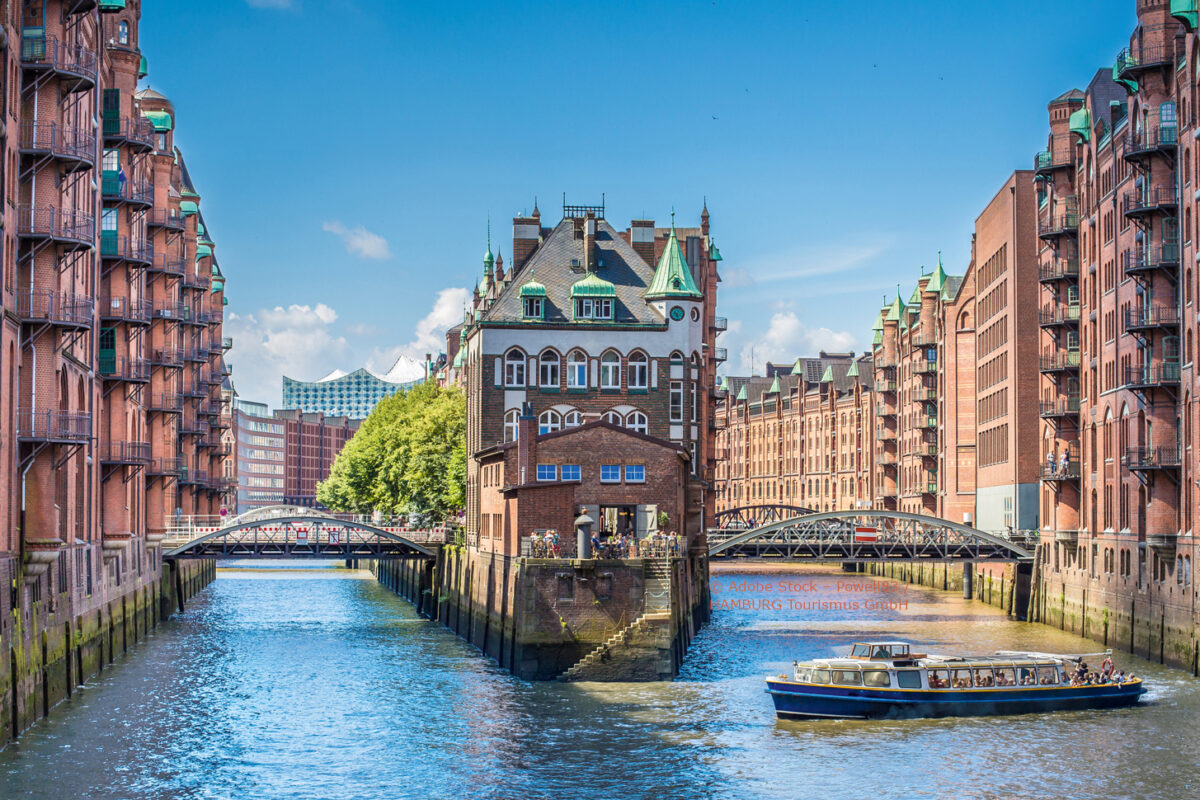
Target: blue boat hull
[[802, 701]]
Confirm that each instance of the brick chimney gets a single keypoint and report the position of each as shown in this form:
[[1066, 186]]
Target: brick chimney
[[641, 238], [589, 243], [527, 233], [526, 444]]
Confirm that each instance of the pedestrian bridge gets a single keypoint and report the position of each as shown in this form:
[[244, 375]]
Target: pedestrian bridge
[[299, 532], [868, 535]]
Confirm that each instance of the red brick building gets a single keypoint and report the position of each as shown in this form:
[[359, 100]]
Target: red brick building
[[311, 442]]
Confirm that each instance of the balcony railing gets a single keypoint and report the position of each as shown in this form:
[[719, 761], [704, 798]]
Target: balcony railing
[[720, 354], [1162, 138], [1060, 220], [196, 355], [165, 218], [885, 362], [1151, 376], [125, 309], [65, 142], [922, 339], [123, 368], [1060, 154], [227, 343], [124, 248], [167, 403], [1059, 269], [1151, 200], [886, 459], [1060, 471], [1065, 360], [125, 452], [55, 308], [720, 324], [112, 188], [167, 357], [195, 280], [165, 466], [1133, 61], [170, 310], [1058, 315], [1139, 260], [923, 367], [53, 426], [169, 265], [1140, 319], [885, 434], [48, 222], [882, 410], [927, 422], [42, 51], [1164, 456], [931, 487], [137, 131], [1062, 407], [885, 386]]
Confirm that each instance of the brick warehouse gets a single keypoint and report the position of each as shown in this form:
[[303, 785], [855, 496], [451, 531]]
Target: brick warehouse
[[111, 354], [603, 342]]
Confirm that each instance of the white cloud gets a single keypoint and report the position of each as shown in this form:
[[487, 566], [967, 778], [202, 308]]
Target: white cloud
[[803, 262], [297, 340], [786, 339], [359, 241], [270, 3], [430, 333]]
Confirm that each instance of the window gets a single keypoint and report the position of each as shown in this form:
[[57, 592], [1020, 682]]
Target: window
[[693, 401], [572, 419], [571, 472], [610, 473], [514, 368], [676, 401], [162, 141], [610, 371], [532, 307], [108, 219], [549, 421], [112, 160], [547, 472], [603, 309], [637, 422], [548, 370], [576, 370], [613, 417], [639, 371], [635, 473], [123, 32], [908, 679], [510, 425]]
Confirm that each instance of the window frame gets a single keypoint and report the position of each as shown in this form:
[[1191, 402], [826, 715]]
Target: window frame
[[638, 370], [639, 475], [549, 421], [577, 368], [549, 369], [612, 471], [547, 472], [610, 370], [514, 369], [576, 472]]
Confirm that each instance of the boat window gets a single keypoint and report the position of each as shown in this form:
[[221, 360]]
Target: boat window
[[1047, 676], [882, 651], [860, 651], [803, 674], [911, 678], [984, 677], [1005, 676], [876, 677], [847, 677], [1027, 674], [938, 679], [820, 676], [960, 679]]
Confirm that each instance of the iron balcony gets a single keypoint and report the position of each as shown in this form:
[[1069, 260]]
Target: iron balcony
[[1059, 269], [192, 477], [1165, 456], [1058, 473], [165, 466], [124, 309], [168, 218], [1051, 316], [55, 308], [136, 132], [73, 64], [1060, 155], [170, 311], [922, 339], [124, 368], [885, 434], [720, 354], [115, 190], [885, 386], [1152, 376], [169, 265], [1067, 360], [167, 357], [1139, 261], [1155, 200], [192, 426], [227, 343], [123, 248], [1063, 220], [127, 453], [720, 324], [923, 367], [927, 422], [1133, 61], [1063, 407], [195, 280], [1140, 145], [886, 459], [882, 410], [67, 228], [165, 403], [1154, 318], [74, 148], [53, 426]]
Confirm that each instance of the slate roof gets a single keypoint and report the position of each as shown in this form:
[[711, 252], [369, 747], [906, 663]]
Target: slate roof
[[840, 367], [552, 263]]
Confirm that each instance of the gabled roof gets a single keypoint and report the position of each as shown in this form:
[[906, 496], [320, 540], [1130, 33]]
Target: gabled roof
[[673, 276]]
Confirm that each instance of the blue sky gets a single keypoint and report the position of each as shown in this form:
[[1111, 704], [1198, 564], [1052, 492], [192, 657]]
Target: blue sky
[[350, 152]]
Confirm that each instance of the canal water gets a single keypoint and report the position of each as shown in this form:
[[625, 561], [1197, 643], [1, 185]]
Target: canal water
[[322, 685]]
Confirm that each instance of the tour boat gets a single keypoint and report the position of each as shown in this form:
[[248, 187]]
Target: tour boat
[[886, 679]]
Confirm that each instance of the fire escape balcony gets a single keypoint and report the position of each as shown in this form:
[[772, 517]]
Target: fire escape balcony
[[64, 227], [886, 459], [115, 190], [170, 310], [1161, 139], [885, 435], [1060, 472], [882, 410], [928, 421], [168, 218], [165, 403], [50, 307], [123, 368], [1156, 200], [195, 280], [1144, 260], [125, 453], [169, 265], [74, 148], [1152, 376], [192, 477], [196, 355], [885, 362], [885, 386], [193, 391], [720, 354], [1061, 220], [931, 487], [1062, 407], [922, 340], [1059, 269], [135, 132], [1132, 62], [73, 64], [167, 357], [165, 466], [1065, 361], [123, 309], [1060, 155], [720, 324], [1164, 318], [1154, 457], [925, 367], [1059, 315], [222, 421], [192, 426], [51, 426], [123, 248], [227, 343]]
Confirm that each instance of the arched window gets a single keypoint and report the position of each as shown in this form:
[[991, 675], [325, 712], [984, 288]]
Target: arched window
[[548, 369], [676, 357], [613, 417], [636, 421], [610, 371], [576, 370], [639, 371], [123, 32], [572, 419], [510, 425], [514, 368], [549, 421]]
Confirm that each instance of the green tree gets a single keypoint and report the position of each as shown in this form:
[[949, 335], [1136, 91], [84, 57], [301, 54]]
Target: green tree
[[409, 456]]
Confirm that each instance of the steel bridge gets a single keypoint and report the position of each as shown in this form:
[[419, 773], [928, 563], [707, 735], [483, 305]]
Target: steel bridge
[[298, 532], [868, 535]]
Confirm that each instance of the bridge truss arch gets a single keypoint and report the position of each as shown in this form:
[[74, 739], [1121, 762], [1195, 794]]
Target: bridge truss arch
[[871, 535], [747, 517], [299, 536]]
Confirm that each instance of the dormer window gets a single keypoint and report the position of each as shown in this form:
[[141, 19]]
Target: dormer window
[[593, 308], [533, 307]]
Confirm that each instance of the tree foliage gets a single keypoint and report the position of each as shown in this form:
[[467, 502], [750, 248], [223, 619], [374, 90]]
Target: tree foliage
[[409, 456]]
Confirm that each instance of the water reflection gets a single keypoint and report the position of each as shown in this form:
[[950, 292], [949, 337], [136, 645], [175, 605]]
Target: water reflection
[[324, 685]]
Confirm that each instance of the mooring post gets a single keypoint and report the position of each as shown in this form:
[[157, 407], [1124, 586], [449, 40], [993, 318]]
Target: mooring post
[[178, 580], [968, 578]]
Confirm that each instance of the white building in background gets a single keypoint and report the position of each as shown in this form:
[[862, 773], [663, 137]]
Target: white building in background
[[354, 394]]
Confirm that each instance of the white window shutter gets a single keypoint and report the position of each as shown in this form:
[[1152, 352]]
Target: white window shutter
[[653, 373], [499, 372]]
